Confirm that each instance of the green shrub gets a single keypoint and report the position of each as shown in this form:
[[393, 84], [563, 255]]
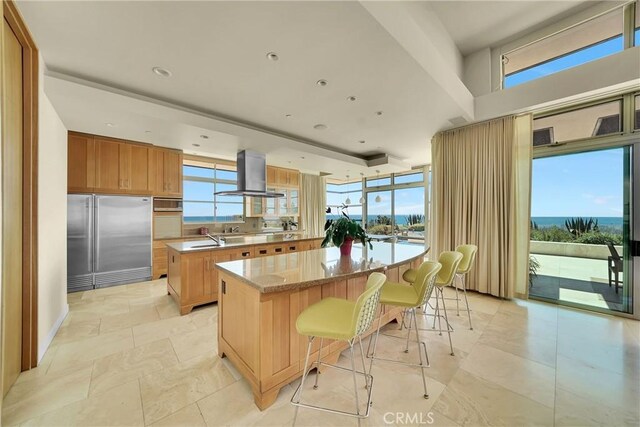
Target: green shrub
[[552, 234], [416, 227], [596, 238], [379, 229], [579, 226]]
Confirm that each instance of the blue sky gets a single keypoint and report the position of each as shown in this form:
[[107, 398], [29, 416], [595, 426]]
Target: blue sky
[[584, 184]]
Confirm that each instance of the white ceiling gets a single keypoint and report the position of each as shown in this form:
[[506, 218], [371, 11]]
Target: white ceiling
[[474, 25], [100, 55], [216, 52]]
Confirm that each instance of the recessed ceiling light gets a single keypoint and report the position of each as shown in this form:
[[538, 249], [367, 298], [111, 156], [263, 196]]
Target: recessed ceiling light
[[302, 157], [204, 136], [322, 82], [351, 98], [162, 72], [147, 131], [196, 145], [110, 124], [272, 56], [362, 142], [288, 116], [320, 126], [378, 113]]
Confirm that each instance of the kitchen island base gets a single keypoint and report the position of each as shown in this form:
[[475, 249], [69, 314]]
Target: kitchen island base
[[257, 333]]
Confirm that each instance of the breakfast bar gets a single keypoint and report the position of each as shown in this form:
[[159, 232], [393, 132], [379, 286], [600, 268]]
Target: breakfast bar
[[261, 298]]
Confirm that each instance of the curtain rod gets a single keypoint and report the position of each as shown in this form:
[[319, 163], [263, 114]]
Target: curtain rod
[[481, 122]]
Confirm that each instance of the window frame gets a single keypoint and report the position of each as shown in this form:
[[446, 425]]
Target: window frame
[[627, 26], [215, 202]]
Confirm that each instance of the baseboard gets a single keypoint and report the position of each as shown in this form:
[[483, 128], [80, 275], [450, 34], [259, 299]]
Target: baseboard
[[43, 346]]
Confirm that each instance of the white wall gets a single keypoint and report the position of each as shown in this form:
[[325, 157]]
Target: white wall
[[52, 220], [477, 72]]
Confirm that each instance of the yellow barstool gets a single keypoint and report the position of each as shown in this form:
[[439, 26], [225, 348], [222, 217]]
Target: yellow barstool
[[450, 261], [410, 297], [339, 319], [466, 264]]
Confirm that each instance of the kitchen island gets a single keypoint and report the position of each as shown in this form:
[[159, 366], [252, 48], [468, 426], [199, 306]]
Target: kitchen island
[[192, 279], [261, 298]]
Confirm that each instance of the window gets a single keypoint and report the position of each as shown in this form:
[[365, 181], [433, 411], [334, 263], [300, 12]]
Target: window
[[577, 45], [596, 120], [201, 205], [339, 193], [396, 206], [636, 40]]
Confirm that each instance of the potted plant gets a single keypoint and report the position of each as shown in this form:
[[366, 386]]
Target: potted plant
[[343, 231]]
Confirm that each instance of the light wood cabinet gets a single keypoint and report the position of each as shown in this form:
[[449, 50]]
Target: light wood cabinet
[[108, 166], [281, 177], [166, 172], [193, 279], [81, 158], [112, 166]]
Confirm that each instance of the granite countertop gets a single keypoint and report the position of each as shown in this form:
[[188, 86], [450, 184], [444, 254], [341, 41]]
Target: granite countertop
[[300, 270], [236, 241]]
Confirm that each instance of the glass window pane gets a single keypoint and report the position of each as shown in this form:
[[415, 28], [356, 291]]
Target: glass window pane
[[637, 115], [598, 120], [227, 199], [408, 178], [379, 213], [334, 187], [197, 212], [409, 214], [378, 182], [197, 171], [583, 43], [228, 212], [228, 175], [197, 190], [637, 33]]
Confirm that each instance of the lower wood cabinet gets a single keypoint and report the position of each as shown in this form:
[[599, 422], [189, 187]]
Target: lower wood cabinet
[[192, 278]]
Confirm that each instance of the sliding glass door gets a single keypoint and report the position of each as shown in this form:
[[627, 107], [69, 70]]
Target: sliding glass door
[[582, 229]]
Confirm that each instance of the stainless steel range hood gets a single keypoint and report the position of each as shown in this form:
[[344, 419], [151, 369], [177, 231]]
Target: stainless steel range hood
[[252, 176]]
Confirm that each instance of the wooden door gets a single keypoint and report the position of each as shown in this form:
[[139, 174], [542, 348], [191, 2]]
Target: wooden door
[[157, 172], [81, 166], [124, 167], [271, 175], [196, 277], [138, 174], [108, 166], [173, 173], [12, 173]]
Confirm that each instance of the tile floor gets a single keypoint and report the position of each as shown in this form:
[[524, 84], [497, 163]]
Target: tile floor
[[124, 356]]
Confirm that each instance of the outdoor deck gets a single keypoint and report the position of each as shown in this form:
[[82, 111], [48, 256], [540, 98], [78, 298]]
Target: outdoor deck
[[579, 280]]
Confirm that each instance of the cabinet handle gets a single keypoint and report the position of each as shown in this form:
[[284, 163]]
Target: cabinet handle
[[245, 253], [263, 251], [278, 249], [224, 287], [292, 248]]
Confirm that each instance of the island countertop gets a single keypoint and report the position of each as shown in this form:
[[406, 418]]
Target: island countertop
[[239, 241], [310, 268]]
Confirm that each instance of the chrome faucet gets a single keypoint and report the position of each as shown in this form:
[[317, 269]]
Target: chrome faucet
[[235, 229], [214, 238]]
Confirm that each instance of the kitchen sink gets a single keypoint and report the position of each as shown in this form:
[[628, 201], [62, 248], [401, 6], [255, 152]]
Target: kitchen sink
[[209, 245]]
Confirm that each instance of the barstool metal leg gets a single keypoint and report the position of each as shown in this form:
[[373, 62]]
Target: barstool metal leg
[[439, 291], [315, 386], [355, 382], [304, 376], [446, 319], [375, 343], [457, 297], [407, 313], [422, 367], [364, 368], [466, 301]]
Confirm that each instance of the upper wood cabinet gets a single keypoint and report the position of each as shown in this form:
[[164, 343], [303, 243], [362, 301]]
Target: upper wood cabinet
[[167, 172], [281, 177], [81, 160], [112, 166]]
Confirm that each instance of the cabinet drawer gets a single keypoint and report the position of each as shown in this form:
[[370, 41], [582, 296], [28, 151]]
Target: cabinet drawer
[[261, 250]]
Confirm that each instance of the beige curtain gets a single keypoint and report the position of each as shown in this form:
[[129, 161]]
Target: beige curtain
[[480, 195], [313, 202]]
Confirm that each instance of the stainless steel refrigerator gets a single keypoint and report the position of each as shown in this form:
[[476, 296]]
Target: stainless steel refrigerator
[[108, 240]]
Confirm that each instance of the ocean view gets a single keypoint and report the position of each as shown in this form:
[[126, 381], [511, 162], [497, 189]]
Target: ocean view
[[603, 221]]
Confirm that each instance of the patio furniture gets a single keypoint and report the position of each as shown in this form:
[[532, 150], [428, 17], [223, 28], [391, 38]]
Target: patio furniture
[[614, 267]]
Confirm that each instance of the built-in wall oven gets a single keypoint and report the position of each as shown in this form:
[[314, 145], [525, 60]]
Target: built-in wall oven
[[167, 218]]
